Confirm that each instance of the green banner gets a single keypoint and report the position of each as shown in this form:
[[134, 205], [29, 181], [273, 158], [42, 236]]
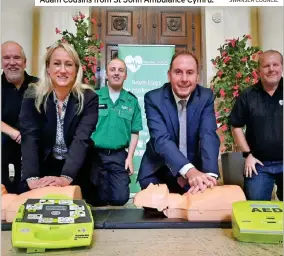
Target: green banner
[[147, 67]]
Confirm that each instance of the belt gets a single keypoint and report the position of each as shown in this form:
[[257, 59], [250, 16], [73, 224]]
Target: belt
[[109, 151]]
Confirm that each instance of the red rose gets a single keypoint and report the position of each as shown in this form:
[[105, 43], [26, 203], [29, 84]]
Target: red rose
[[57, 31], [247, 80], [75, 18], [219, 74], [254, 74], [222, 93], [239, 75], [227, 59], [224, 127], [82, 16], [232, 42], [236, 94]]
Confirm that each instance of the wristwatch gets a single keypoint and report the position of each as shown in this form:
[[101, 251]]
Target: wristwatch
[[246, 154]]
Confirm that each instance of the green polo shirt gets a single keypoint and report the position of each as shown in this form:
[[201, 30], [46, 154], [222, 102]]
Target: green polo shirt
[[116, 120]]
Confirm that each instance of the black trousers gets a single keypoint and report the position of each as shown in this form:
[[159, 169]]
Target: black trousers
[[110, 178], [11, 154]]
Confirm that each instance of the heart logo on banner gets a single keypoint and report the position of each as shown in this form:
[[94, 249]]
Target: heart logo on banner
[[133, 64]]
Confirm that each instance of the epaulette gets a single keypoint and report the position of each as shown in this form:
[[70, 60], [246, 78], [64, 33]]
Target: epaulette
[[132, 94]]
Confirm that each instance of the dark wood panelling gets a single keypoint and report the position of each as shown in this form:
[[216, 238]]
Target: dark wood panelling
[[147, 25]]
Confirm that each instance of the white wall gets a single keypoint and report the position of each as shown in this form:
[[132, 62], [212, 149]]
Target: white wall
[[56, 17], [271, 28], [234, 23], [17, 24]]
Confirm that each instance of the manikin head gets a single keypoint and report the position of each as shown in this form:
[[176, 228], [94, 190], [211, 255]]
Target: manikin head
[[154, 196], [158, 197]]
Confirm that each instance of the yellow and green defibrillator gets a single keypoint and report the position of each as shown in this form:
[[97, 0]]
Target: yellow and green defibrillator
[[52, 224], [258, 221]]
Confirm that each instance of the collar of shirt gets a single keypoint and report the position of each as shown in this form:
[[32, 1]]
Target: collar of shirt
[[177, 99], [258, 86], [64, 102]]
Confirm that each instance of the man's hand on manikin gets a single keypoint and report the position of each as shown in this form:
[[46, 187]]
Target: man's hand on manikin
[[199, 181]]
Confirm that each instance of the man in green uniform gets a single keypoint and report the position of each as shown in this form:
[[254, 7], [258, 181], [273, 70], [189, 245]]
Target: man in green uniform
[[117, 130]]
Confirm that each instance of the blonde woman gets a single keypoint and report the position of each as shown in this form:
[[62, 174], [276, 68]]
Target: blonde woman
[[57, 118]]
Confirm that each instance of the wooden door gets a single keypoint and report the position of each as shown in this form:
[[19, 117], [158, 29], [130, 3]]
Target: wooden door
[[177, 26], [146, 25]]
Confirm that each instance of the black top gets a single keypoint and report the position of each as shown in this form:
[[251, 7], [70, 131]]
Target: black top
[[38, 130], [263, 116], [12, 98]]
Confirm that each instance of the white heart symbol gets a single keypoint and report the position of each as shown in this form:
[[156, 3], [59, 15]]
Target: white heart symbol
[[133, 64]]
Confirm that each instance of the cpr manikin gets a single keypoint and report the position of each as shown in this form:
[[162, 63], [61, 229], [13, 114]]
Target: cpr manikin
[[10, 203], [212, 205]]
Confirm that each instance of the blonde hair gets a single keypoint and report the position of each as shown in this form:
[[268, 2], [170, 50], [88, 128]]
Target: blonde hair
[[44, 87]]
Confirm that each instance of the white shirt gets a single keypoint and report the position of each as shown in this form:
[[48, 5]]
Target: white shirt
[[113, 94], [188, 166]]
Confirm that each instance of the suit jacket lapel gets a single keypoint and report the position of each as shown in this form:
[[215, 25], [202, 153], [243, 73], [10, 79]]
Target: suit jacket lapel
[[71, 110], [192, 104], [51, 115], [172, 109]]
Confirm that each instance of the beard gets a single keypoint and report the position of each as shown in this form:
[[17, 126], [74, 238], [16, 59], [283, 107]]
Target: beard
[[14, 76]]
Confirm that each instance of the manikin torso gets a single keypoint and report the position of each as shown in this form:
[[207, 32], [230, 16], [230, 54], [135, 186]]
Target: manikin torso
[[212, 205], [10, 203]]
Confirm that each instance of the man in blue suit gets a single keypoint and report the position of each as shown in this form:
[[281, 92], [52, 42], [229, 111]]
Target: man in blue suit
[[183, 148]]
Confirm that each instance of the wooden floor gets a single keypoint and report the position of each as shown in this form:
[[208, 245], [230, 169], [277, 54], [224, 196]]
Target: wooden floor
[[160, 242]]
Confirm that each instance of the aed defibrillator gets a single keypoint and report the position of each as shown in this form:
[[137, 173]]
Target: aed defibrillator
[[258, 221], [52, 224]]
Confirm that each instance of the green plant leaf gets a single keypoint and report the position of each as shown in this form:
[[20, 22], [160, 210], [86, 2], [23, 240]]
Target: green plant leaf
[[228, 80], [85, 45]]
